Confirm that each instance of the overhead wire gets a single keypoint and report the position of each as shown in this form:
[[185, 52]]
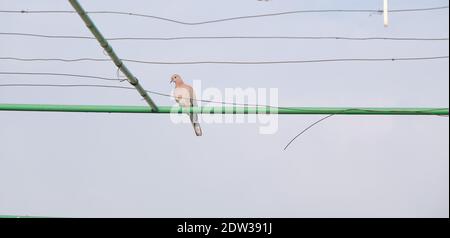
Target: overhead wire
[[379, 11], [66, 60], [58, 74], [371, 38], [307, 129]]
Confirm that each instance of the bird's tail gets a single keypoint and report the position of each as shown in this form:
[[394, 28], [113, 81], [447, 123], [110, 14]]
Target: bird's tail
[[195, 124]]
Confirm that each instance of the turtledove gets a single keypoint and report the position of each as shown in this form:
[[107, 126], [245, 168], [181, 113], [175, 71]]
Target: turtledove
[[185, 97]]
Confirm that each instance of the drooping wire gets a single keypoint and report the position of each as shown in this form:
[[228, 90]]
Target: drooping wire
[[231, 62], [322, 120], [231, 37], [307, 129], [231, 18]]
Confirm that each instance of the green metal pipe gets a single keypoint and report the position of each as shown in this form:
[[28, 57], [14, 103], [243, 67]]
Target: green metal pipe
[[226, 110], [107, 47], [17, 217]]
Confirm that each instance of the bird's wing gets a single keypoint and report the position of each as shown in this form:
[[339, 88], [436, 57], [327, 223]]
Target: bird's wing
[[193, 116], [182, 97], [193, 103]]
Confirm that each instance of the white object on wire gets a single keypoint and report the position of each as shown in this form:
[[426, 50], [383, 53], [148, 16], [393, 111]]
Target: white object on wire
[[386, 13]]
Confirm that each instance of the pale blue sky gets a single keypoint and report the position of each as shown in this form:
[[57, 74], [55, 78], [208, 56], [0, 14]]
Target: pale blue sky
[[108, 165]]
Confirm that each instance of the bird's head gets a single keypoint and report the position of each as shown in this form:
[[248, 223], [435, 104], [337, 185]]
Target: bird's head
[[176, 79]]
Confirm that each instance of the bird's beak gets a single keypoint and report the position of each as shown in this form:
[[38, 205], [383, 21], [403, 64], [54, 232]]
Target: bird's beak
[[172, 81]]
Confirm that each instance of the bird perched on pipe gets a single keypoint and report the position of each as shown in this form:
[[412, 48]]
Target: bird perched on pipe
[[185, 97]]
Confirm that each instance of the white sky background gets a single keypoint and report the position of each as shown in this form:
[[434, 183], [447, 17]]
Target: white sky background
[[110, 165]]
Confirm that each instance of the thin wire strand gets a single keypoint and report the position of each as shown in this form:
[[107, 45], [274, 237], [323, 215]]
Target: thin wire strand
[[418, 9], [46, 36], [230, 62], [307, 129], [55, 59], [59, 74], [319, 121], [233, 18], [121, 79], [287, 61], [230, 38]]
